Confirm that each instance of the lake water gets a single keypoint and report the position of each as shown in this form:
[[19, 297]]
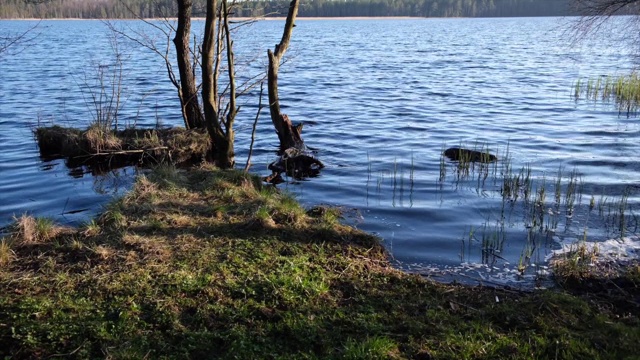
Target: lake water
[[380, 100]]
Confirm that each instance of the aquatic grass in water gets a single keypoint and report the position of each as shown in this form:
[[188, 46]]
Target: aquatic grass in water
[[492, 242], [558, 188], [396, 179], [571, 191], [527, 211], [624, 91], [530, 208]]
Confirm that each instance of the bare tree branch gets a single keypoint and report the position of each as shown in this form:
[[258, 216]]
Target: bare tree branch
[[8, 42], [595, 13], [253, 130]]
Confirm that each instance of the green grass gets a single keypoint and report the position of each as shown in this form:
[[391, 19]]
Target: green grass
[[211, 264]]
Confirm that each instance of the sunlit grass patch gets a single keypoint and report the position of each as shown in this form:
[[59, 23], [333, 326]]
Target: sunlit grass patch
[[372, 348], [329, 215], [263, 217], [288, 211], [113, 215], [91, 228], [103, 252], [98, 139], [167, 177]]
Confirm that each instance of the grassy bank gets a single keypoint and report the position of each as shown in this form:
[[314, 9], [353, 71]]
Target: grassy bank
[[100, 145], [211, 264]]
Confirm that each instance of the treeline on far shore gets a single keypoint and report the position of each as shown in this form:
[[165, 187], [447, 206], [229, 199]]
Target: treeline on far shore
[[125, 9]]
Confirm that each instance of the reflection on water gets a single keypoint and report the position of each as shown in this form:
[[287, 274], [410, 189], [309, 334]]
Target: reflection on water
[[394, 185], [109, 183], [380, 121], [115, 181]]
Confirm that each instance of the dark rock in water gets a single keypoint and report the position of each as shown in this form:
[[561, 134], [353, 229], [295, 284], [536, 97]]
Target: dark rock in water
[[274, 179], [462, 154], [296, 163]]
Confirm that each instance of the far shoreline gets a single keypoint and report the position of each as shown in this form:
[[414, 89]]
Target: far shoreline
[[278, 18]]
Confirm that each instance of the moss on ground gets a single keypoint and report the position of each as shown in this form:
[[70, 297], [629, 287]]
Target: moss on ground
[[211, 264]]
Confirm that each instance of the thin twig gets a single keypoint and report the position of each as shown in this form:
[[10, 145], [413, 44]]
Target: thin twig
[[253, 132], [123, 152]]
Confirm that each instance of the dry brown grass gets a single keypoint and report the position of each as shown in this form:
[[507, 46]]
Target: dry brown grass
[[149, 247], [104, 252], [99, 139], [579, 263], [176, 145], [143, 189], [149, 139], [187, 145], [91, 229], [28, 230], [6, 253]]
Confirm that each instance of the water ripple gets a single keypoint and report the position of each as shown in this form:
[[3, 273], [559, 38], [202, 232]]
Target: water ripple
[[380, 105]]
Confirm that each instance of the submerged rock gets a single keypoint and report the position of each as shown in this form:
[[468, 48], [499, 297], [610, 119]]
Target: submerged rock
[[466, 155]]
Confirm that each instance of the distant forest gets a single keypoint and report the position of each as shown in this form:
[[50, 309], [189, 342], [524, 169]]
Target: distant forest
[[122, 9]]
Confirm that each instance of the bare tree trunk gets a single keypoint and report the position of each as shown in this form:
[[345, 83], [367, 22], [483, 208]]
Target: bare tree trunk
[[288, 134], [187, 92], [209, 96], [295, 160], [220, 130], [227, 154]]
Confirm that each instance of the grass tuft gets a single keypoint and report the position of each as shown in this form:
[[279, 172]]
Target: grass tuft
[[90, 229], [28, 230], [6, 253], [98, 139], [373, 348], [577, 263]]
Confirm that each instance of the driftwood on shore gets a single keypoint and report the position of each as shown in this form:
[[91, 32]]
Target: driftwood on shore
[[100, 149]]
